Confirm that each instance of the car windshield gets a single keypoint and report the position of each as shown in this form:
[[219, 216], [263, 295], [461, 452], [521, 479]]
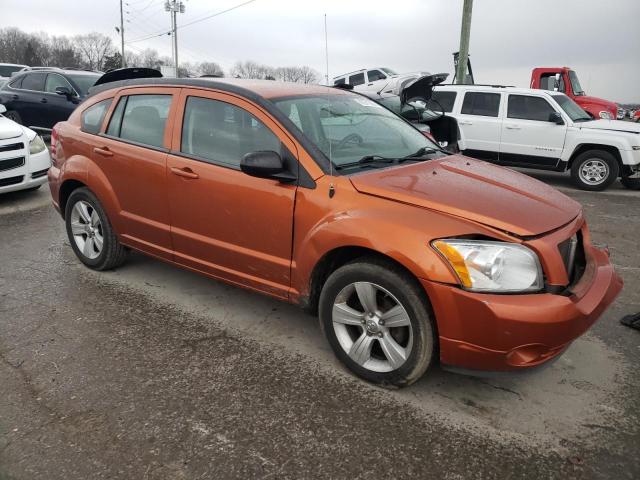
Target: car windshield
[[575, 83], [388, 71], [83, 82], [348, 128], [571, 108], [7, 70]]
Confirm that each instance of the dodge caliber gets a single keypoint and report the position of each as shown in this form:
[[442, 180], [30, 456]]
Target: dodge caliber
[[323, 198]]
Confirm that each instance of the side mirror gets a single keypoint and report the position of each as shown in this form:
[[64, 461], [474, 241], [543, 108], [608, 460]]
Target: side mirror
[[3, 109], [556, 118], [266, 164], [66, 91]]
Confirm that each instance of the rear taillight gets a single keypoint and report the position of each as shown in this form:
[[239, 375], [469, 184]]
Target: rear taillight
[[54, 145]]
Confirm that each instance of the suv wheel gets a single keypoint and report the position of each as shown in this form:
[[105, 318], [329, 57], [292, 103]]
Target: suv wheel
[[90, 233], [377, 321], [594, 170], [13, 115]]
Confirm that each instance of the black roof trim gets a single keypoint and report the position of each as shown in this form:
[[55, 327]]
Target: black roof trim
[[212, 84]]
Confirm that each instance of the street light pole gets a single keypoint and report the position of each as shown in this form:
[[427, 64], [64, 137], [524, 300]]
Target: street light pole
[[173, 7], [122, 61], [465, 33]]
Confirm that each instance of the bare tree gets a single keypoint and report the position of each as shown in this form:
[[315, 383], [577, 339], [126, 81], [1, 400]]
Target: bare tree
[[250, 69], [94, 48], [210, 68], [309, 75]]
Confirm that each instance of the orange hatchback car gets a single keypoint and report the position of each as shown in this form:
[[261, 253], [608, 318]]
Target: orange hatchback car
[[323, 198]]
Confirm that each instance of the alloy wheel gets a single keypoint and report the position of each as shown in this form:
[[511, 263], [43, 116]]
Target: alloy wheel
[[86, 228], [372, 327], [594, 171]]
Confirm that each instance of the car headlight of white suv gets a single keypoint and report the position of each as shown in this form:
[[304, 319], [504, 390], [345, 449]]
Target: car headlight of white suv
[[490, 266], [37, 145]]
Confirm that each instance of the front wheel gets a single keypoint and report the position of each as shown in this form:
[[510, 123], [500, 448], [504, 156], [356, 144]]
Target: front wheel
[[90, 233], [594, 170], [378, 323]]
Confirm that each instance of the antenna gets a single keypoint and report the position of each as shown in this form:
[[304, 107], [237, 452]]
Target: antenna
[[332, 190]]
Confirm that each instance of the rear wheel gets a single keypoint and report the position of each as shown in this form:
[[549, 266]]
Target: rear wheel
[[377, 321], [90, 233], [594, 170], [13, 115]]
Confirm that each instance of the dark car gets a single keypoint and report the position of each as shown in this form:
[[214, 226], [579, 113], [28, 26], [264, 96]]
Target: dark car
[[41, 98]]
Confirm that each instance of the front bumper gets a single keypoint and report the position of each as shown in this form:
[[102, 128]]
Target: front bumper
[[514, 332], [32, 174]]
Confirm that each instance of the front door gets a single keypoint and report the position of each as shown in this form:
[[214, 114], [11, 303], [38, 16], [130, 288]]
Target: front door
[[480, 123], [529, 138], [223, 221], [58, 107]]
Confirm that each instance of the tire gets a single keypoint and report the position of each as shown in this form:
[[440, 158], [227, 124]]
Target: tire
[[594, 170], [631, 183], [13, 115], [378, 360], [85, 216]]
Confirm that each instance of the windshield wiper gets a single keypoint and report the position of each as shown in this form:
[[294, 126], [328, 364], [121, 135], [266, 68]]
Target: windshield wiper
[[366, 160], [419, 154]]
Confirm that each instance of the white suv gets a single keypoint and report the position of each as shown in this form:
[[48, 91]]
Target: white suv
[[24, 158], [377, 79], [544, 130]]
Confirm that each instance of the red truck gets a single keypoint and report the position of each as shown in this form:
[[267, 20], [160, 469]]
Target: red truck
[[565, 80]]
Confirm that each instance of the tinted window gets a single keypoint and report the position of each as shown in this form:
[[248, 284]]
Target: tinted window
[[357, 79], [34, 81], [479, 103], [339, 81], [374, 75], [143, 118], [529, 108], [54, 81], [445, 99], [7, 70], [223, 133], [83, 82], [92, 117], [548, 82]]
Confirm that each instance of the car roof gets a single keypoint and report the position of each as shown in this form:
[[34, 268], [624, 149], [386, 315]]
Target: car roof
[[250, 88], [358, 71], [496, 89], [71, 71]]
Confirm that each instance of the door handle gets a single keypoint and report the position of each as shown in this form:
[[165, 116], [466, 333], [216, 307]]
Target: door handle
[[43, 100], [105, 152], [370, 84], [465, 123], [185, 172], [513, 127]]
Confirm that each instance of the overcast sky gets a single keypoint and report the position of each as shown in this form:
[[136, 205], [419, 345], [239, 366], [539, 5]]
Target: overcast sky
[[600, 39]]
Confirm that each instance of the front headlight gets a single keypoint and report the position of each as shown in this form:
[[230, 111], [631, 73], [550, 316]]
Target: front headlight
[[606, 115], [487, 266], [37, 145]]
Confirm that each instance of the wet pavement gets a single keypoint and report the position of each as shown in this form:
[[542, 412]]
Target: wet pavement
[[151, 372]]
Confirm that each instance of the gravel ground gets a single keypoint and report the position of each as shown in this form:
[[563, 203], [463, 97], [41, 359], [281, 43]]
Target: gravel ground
[[151, 372]]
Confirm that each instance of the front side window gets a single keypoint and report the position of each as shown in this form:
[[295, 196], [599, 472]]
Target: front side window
[[347, 128], [54, 81], [549, 82], [141, 119], [444, 99], [34, 81], [526, 107], [571, 108], [83, 82], [339, 81], [388, 71], [221, 133], [92, 117], [480, 103], [374, 75], [575, 83], [357, 79]]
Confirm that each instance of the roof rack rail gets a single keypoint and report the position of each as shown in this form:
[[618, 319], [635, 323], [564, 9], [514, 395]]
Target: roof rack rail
[[492, 85]]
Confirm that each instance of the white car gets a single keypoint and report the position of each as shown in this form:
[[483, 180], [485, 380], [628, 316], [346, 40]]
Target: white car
[[543, 130], [377, 80], [7, 70], [24, 157]]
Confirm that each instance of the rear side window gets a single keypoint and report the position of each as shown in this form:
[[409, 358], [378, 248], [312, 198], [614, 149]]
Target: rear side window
[[34, 81], [92, 117], [525, 107], [219, 132], [141, 119], [480, 103], [445, 99], [357, 79], [374, 75], [339, 81]]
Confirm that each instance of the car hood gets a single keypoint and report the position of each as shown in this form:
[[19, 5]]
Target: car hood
[[9, 129], [475, 190], [614, 125], [587, 100]]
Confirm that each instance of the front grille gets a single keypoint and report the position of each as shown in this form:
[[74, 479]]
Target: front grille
[[11, 181], [10, 163], [11, 147], [39, 173], [572, 253]]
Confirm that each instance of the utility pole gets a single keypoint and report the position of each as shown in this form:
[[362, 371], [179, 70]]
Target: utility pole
[[173, 7], [122, 62], [465, 33]]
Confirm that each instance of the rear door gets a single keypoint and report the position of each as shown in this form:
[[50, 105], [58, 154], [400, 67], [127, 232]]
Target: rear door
[[223, 221], [29, 100], [528, 137], [132, 154], [479, 119]]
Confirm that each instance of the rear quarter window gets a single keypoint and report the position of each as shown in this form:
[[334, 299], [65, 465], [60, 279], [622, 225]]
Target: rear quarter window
[[91, 119], [481, 103]]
